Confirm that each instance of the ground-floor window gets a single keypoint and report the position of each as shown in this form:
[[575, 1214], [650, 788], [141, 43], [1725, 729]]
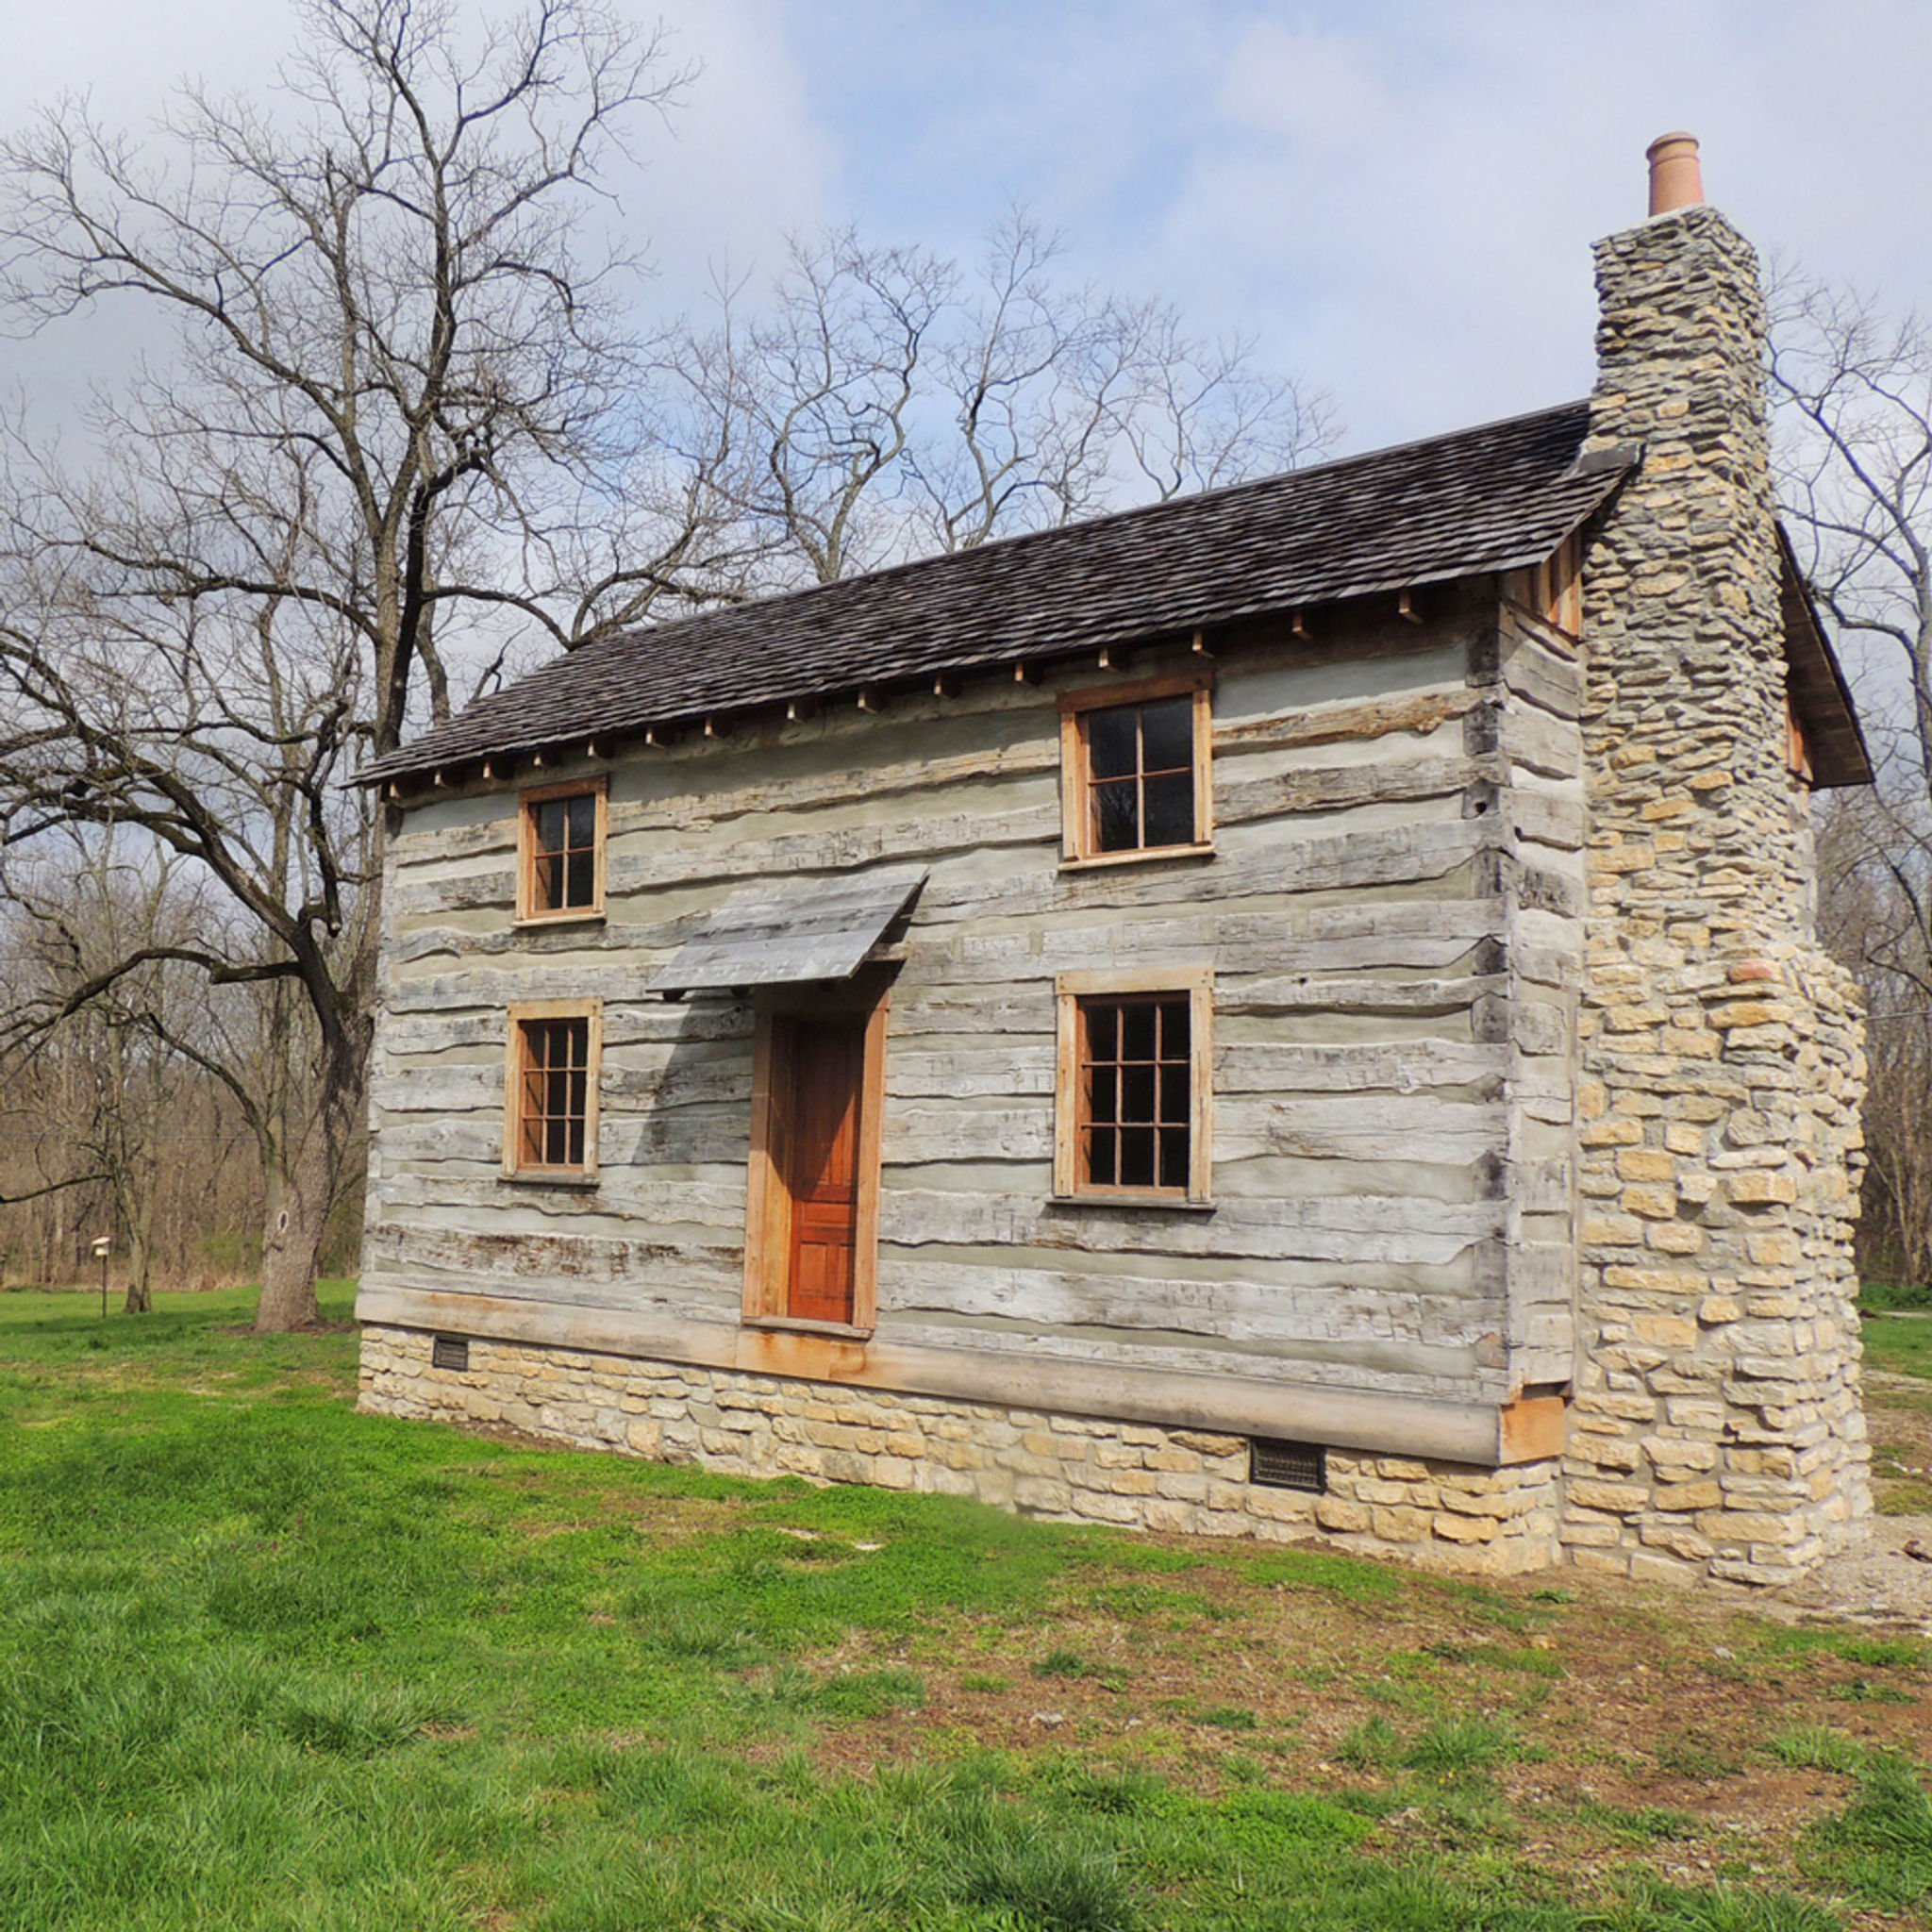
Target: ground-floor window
[[1133, 1092], [550, 1106]]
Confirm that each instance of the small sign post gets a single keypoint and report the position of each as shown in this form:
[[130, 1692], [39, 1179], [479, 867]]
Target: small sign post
[[104, 1246]]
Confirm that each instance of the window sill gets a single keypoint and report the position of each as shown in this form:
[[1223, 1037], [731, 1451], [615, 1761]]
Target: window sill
[[573, 917], [550, 1178], [1134, 1197], [1141, 856], [791, 1324]]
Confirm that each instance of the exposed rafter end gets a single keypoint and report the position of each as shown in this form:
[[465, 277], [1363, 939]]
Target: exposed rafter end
[[1200, 645], [871, 698], [540, 759], [1298, 626], [1025, 674], [393, 791], [661, 737], [799, 710], [439, 779], [946, 685], [1114, 657], [717, 726], [1407, 608], [597, 748], [492, 770]]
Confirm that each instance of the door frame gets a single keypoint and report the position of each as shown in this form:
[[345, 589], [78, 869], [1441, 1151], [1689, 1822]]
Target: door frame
[[767, 1199]]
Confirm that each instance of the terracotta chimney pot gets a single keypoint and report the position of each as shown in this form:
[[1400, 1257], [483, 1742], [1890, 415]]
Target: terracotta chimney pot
[[1677, 180]]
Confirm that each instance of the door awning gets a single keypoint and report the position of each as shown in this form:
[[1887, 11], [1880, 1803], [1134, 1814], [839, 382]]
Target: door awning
[[778, 935]]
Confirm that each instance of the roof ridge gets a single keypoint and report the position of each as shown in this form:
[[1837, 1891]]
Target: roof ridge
[[1493, 496], [1219, 494]]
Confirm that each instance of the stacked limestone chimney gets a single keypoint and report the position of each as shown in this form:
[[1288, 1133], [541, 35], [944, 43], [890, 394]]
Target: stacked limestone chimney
[[1717, 1427]]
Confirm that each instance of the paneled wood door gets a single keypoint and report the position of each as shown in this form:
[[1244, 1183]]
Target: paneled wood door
[[821, 1163]]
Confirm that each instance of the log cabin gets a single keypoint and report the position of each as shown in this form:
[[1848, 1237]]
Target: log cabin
[[1290, 1012]]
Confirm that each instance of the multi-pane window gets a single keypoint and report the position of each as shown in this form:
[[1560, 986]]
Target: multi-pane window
[[551, 1108], [562, 853], [1132, 1104], [1136, 1076], [1141, 775], [1136, 770]]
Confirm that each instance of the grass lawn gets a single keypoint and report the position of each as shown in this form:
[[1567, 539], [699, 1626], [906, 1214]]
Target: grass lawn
[[265, 1662], [1898, 1404]]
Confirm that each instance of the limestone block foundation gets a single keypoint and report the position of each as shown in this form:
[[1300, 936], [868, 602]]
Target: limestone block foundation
[[1063, 1467]]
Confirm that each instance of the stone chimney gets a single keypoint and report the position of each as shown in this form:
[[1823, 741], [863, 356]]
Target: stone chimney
[[1717, 1427]]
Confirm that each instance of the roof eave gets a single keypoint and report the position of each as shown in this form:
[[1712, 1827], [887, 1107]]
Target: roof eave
[[1821, 697]]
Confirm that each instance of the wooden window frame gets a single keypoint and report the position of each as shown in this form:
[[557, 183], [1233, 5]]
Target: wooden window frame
[[768, 1202], [1076, 828], [520, 1013], [527, 911], [1071, 989]]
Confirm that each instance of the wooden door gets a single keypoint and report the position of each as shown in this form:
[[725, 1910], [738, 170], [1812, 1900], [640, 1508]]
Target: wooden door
[[820, 1143]]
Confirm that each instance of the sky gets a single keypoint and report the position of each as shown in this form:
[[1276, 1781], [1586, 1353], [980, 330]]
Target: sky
[[1393, 198]]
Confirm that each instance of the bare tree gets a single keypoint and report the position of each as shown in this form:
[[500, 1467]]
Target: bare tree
[[399, 372], [1855, 391], [110, 1120], [406, 424], [888, 404], [87, 911]]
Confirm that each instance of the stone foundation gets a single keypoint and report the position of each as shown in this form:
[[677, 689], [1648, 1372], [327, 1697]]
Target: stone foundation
[[1067, 1469]]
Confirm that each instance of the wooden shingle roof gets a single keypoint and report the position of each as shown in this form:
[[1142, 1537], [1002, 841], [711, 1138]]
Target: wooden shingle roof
[[1499, 497]]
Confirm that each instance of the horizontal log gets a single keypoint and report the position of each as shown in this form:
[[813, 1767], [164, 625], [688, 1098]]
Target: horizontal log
[[1467, 1426], [1344, 787], [630, 1202], [1236, 942], [1228, 1312], [1360, 1228], [1303, 993], [1411, 1128], [1562, 823], [606, 961], [1552, 747], [659, 864], [1421, 1368], [1417, 712], [688, 1136], [557, 1259], [1024, 1066], [1284, 1067], [1536, 676]]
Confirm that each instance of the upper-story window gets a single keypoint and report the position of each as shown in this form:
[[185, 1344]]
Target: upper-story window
[[560, 845], [1134, 770]]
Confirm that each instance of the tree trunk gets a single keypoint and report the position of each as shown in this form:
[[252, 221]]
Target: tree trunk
[[295, 1210], [301, 1177], [140, 1255]]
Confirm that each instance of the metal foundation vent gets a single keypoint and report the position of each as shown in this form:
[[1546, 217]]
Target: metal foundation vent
[[450, 1352], [1287, 1465]]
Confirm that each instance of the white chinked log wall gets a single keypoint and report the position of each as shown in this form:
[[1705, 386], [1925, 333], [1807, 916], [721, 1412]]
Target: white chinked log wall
[[1500, 924], [1392, 912]]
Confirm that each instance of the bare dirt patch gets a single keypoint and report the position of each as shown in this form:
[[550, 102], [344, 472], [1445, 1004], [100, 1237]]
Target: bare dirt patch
[[1589, 1726]]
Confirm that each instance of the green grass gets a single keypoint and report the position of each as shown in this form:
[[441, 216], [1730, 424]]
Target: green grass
[[1900, 1344], [267, 1663], [1879, 1848], [1887, 1297]]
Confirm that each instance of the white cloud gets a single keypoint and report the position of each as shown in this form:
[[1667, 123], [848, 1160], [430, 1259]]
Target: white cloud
[[1396, 195], [743, 163]]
